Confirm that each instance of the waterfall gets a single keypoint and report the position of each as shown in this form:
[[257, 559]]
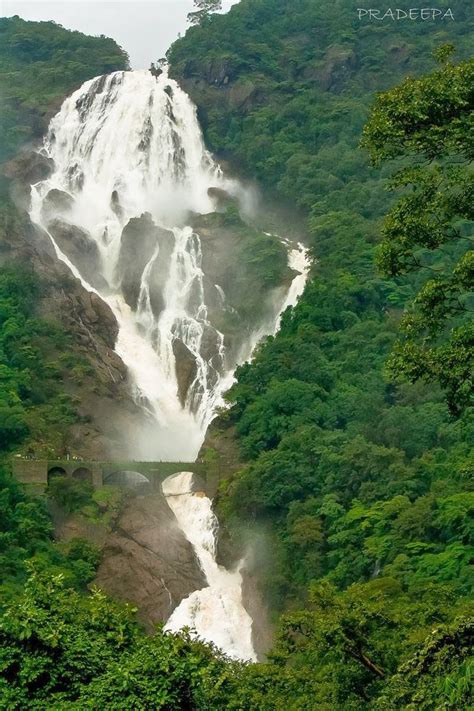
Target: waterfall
[[130, 169], [215, 613], [126, 145]]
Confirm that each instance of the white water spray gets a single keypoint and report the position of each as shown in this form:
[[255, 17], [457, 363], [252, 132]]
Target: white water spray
[[126, 145], [216, 613]]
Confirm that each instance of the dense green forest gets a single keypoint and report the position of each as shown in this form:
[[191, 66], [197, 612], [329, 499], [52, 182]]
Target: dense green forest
[[40, 64], [360, 480]]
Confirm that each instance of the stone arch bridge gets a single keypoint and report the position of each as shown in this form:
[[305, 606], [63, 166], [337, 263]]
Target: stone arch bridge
[[37, 473]]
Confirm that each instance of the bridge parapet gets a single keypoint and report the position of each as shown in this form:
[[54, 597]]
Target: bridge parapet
[[36, 473]]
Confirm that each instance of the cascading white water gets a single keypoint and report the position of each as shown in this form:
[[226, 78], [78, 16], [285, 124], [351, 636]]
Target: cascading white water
[[127, 149], [125, 146], [215, 613]]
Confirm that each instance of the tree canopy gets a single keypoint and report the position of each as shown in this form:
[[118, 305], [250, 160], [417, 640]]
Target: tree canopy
[[430, 228]]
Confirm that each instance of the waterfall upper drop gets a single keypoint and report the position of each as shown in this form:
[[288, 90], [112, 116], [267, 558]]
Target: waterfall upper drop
[[131, 176]]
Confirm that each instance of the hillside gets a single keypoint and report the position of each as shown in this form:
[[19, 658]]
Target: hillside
[[353, 486], [348, 472], [59, 368], [40, 64]]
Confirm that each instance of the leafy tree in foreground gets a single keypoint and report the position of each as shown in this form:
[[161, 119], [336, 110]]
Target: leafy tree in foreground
[[59, 649], [429, 122]]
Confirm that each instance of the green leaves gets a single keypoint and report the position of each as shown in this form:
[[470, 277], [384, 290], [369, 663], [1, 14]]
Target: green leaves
[[61, 649], [430, 116], [429, 228], [203, 9]]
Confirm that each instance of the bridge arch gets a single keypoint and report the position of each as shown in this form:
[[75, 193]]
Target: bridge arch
[[128, 479], [83, 474], [55, 472]]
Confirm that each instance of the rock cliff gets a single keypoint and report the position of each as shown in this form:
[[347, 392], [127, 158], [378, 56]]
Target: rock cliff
[[148, 561], [101, 394]]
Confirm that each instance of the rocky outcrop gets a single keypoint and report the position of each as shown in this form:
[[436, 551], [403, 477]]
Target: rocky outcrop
[[334, 70], [140, 238], [26, 169], [29, 168], [56, 202], [80, 248], [104, 405], [138, 242], [186, 368], [148, 561], [160, 271], [222, 199], [237, 261]]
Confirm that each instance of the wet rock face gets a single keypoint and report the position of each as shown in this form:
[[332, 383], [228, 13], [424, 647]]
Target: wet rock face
[[25, 170], [138, 242], [56, 202], [80, 248], [186, 368], [140, 238], [148, 561], [160, 271], [29, 168], [221, 198]]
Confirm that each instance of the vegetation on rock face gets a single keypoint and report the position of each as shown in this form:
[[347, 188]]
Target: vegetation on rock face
[[26, 544], [247, 264], [34, 356]]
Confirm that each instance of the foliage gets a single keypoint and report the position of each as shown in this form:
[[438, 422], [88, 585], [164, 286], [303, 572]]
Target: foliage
[[430, 227], [362, 483], [40, 63], [60, 649], [26, 540], [70, 494], [365, 485], [33, 404]]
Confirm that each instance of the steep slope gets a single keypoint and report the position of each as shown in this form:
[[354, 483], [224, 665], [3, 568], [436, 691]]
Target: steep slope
[[77, 380], [317, 390], [344, 473]]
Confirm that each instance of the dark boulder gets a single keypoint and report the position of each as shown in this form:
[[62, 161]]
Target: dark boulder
[[80, 248], [140, 238], [56, 203], [186, 368]]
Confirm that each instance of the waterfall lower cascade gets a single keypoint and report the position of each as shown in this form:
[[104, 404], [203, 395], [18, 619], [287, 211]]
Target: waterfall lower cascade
[[130, 167], [216, 613]]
